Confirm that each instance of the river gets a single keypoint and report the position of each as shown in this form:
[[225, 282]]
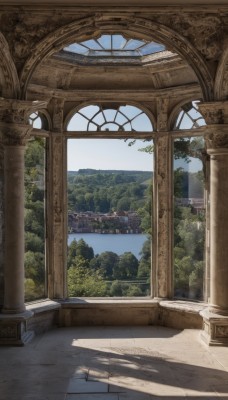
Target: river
[[118, 243]]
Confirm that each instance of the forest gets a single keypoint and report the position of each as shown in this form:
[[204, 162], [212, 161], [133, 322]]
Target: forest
[[107, 191], [108, 274]]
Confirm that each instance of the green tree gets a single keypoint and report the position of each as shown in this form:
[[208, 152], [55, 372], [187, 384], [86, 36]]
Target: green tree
[[34, 219], [127, 267], [116, 289], [105, 263], [82, 281]]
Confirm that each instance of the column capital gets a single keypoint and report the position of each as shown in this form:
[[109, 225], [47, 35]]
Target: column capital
[[14, 126], [216, 136], [14, 135], [214, 112], [17, 111]]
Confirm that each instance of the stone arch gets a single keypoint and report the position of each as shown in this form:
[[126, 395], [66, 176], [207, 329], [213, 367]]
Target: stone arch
[[221, 79], [10, 86], [88, 27], [176, 110]]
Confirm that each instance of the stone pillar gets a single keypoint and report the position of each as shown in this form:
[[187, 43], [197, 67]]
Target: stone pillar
[[216, 316], [14, 134], [162, 231], [14, 226], [57, 230]]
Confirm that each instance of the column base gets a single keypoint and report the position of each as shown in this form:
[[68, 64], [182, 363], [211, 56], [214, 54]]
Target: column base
[[215, 329], [13, 329]]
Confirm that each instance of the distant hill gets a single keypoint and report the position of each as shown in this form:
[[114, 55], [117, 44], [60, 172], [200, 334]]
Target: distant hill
[[107, 190]]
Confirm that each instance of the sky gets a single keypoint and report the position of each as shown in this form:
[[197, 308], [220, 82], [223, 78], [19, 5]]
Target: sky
[[107, 154]]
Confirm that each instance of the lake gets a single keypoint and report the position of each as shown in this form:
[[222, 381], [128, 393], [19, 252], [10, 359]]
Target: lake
[[109, 242]]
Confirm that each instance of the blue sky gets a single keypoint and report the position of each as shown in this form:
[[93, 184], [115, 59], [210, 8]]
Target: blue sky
[[107, 154]]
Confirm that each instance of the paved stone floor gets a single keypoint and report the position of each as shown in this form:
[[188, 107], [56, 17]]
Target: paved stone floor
[[104, 363]]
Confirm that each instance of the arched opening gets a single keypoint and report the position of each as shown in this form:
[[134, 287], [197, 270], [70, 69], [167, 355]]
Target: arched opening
[[109, 201], [113, 84]]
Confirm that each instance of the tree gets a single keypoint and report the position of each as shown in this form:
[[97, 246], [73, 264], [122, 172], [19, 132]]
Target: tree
[[127, 267], [34, 219], [105, 263], [84, 250], [116, 289], [82, 281]]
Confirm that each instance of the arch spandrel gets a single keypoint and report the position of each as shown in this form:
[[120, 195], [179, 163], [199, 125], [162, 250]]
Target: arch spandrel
[[10, 87], [79, 29], [221, 81]]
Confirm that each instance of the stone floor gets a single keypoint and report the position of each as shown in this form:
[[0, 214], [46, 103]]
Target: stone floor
[[104, 363]]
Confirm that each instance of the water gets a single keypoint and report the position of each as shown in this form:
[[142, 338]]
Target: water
[[107, 242]]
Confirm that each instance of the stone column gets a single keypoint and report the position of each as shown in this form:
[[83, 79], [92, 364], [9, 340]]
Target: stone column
[[162, 231], [14, 222], [163, 278], [219, 219], [14, 134], [216, 316], [57, 230]]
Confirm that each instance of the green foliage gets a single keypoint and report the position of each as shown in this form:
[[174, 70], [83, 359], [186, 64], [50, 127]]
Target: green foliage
[[79, 249], [106, 191], [34, 220], [106, 263], [107, 274], [127, 267], [83, 282], [116, 289]]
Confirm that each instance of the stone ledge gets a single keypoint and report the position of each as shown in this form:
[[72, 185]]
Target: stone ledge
[[181, 305], [107, 303], [43, 306]]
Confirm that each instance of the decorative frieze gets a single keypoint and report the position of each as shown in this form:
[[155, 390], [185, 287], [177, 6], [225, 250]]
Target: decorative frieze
[[8, 331]]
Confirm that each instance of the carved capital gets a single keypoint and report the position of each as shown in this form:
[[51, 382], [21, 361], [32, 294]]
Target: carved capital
[[14, 135], [216, 138], [214, 112], [14, 126], [17, 111]]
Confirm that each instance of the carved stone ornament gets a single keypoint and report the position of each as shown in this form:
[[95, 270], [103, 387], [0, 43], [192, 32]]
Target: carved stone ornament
[[23, 31], [14, 135], [17, 111], [216, 137], [222, 331], [206, 32], [8, 331], [215, 112]]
